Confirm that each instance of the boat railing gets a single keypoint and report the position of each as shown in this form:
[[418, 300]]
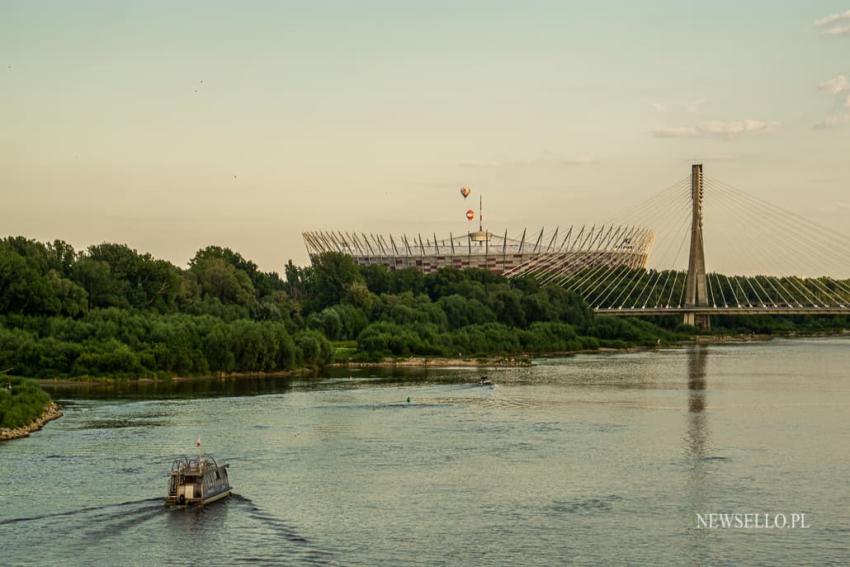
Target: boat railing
[[179, 464], [193, 465]]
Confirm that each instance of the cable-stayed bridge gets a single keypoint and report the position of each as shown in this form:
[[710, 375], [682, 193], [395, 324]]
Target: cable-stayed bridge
[[717, 251]]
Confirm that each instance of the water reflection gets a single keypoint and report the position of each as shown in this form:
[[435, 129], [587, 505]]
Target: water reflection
[[211, 387], [697, 430], [695, 451], [163, 389]]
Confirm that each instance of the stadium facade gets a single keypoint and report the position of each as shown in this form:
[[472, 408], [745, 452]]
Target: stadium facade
[[573, 250]]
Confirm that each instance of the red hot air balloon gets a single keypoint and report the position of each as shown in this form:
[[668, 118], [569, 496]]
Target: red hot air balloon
[[465, 191], [470, 214]]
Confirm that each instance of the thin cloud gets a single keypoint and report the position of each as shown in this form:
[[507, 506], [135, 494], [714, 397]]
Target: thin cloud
[[694, 107], [716, 129], [676, 132], [836, 85], [839, 30], [550, 159], [721, 157], [734, 128], [836, 24], [690, 107], [580, 160], [833, 121]]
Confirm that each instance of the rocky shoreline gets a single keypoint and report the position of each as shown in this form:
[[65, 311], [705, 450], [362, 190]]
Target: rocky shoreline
[[50, 413]]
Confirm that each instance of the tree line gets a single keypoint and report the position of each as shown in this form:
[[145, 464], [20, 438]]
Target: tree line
[[110, 310]]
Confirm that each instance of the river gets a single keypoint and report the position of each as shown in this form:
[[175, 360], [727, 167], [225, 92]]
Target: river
[[588, 459]]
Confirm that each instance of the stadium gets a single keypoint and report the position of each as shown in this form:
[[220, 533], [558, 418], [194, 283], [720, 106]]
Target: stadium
[[554, 255], [577, 249]]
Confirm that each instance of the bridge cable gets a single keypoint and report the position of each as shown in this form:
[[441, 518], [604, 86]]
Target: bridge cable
[[641, 276], [650, 205], [802, 243], [771, 282], [682, 206], [683, 230], [779, 214], [634, 274], [564, 272]]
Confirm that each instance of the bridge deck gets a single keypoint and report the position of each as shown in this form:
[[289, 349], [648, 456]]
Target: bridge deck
[[650, 311]]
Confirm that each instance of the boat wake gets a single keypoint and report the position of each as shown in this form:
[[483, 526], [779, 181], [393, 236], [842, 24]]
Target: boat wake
[[233, 531], [79, 511]]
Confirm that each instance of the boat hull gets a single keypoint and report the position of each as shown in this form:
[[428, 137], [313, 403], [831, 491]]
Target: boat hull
[[173, 500]]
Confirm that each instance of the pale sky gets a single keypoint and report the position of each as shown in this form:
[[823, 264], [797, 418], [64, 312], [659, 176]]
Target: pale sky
[[173, 125]]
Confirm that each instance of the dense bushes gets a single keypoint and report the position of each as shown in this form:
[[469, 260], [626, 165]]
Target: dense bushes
[[387, 337], [314, 348], [117, 342], [474, 312], [472, 340], [340, 322], [23, 403], [619, 331], [765, 324]]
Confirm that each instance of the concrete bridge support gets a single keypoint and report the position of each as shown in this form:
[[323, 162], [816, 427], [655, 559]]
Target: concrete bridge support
[[696, 284]]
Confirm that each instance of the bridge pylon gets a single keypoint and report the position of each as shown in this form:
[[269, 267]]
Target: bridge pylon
[[696, 283]]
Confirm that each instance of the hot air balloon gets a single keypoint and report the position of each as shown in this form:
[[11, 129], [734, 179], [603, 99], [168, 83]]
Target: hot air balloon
[[470, 214], [465, 191]]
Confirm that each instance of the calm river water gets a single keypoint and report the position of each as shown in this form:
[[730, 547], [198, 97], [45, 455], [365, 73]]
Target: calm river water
[[590, 459]]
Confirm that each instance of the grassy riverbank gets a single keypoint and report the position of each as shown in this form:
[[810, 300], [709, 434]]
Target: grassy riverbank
[[22, 401]]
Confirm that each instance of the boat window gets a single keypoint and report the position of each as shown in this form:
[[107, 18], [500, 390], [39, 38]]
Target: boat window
[[217, 476]]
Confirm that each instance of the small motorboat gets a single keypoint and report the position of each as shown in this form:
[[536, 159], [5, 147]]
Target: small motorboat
[[197, 481], [485, 381]]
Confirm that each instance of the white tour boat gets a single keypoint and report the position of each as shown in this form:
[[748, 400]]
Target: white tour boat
[[197, 481]]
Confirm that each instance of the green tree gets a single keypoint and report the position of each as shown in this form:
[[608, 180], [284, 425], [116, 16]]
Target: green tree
[[461, 311], [332, 277], [26, 285], [314, 347], [61, 257], [102, 288], [215, 278]]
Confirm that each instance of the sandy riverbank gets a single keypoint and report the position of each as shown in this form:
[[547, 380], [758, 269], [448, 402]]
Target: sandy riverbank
[[439, 362], [524, 360]]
